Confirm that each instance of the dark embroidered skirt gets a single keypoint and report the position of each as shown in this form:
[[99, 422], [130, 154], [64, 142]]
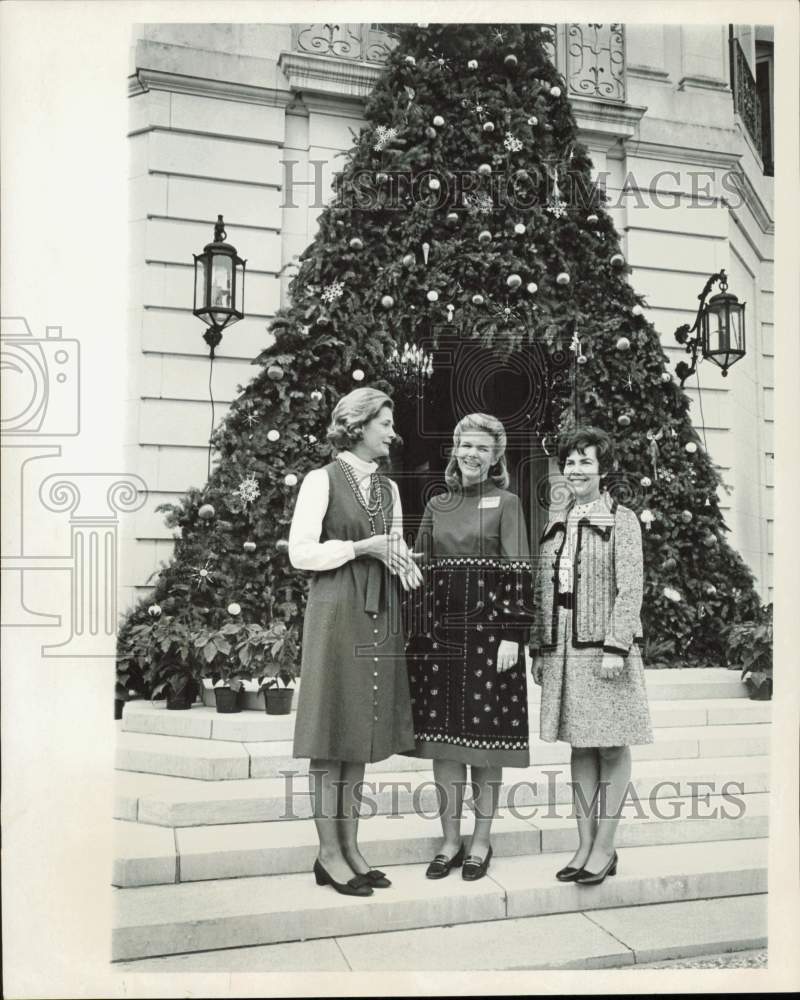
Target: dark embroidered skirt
[[463, 708]]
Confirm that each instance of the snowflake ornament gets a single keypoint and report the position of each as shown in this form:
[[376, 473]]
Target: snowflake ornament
[[556, 207], [512, 143], [248, 490], [384, 135], [479, 204], [332, 292]]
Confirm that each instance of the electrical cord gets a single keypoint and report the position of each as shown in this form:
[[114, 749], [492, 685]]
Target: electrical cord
[[211, 431]]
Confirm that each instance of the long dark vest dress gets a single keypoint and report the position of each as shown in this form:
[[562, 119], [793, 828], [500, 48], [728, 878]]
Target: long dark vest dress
[[354, 702], [477, 591]]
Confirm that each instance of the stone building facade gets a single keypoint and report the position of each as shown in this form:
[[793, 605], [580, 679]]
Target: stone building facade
[[247, 120]]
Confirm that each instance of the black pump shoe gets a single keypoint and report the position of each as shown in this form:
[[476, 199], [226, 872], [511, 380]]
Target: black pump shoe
[[377, 879], [567, 873], [595, 878], [441, 864], [359, 885], [474, 868]]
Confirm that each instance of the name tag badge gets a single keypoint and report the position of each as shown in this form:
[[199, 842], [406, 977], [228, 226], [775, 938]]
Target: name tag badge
[[486, 503]]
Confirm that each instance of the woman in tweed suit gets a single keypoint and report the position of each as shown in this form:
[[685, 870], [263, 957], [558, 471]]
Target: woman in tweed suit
[[587, 600]]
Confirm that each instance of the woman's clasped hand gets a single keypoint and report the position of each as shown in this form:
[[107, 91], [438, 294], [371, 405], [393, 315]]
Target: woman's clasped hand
[[393, 552]]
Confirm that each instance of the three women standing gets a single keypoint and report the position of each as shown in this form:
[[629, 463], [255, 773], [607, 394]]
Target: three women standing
[[353, 704], [459, 697], [466, 655], [587, 601]]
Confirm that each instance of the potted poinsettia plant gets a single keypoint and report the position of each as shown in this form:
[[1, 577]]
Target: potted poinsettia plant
[[749, 648], [160, 652], [278, 673], [216, 647]]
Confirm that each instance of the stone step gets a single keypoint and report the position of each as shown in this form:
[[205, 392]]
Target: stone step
[[154, 855], [214, 760], [256, 727], [622, 937], [170, 801], [197, 916], [711, 682]]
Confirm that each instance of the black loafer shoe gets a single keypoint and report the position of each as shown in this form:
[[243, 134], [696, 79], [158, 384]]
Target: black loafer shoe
[[567, 874], [441, 864], [475, 868]]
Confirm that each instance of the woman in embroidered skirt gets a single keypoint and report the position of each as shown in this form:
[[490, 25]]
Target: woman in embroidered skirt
[[587, 601], [467, 650], [354, 703]]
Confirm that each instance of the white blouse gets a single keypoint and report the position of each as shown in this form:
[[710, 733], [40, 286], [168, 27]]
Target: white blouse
[[306, 551]]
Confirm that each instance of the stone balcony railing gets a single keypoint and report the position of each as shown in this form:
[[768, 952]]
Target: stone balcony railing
[[591, 57]]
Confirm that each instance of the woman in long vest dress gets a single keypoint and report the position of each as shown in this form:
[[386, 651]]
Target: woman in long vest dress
[[353, 704], [466, 654], [584, 644]]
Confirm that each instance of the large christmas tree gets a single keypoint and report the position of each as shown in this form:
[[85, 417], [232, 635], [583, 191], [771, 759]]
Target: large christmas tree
[[465, 212]]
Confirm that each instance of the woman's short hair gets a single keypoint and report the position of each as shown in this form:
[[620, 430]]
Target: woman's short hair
[[579, 440], [498, 472], [352, 412]]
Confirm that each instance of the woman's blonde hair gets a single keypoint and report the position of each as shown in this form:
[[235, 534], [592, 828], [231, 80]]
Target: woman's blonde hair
[[498, 471], [352, 412]]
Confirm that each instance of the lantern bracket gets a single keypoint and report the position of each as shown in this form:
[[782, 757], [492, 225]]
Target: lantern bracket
[[689, 336]]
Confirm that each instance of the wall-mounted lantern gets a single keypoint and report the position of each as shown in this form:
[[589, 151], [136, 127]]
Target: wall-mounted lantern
[[218, 286], [718, 330]]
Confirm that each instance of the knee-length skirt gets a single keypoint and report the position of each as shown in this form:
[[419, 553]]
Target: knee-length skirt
[[354, 701], [583, 709], [463, 708]]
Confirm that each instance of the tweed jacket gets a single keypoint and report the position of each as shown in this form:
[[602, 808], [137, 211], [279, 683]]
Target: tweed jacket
[[608, 580]]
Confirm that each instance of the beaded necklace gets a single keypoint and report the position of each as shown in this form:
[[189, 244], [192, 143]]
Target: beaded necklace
[[375, 488]]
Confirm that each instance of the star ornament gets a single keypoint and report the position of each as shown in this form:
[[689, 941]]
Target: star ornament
[[201, 574]]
